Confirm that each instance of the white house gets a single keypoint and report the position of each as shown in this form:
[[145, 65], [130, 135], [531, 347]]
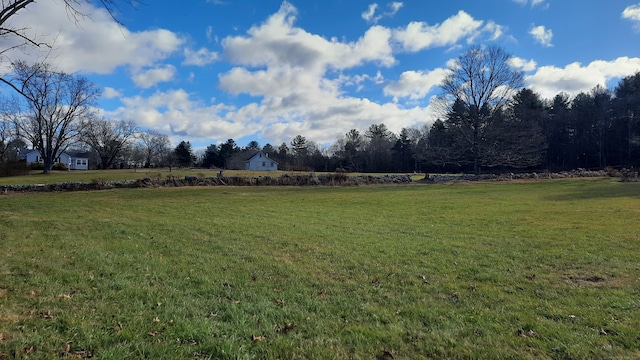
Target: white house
[[73, 160], [261, 161]]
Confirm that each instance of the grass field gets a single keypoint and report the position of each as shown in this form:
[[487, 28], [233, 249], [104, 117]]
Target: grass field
[[539, 270]]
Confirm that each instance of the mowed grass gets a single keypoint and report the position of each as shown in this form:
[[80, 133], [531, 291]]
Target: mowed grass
[[547, 269]]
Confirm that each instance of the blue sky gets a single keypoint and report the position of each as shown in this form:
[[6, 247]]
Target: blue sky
[[209, 70]]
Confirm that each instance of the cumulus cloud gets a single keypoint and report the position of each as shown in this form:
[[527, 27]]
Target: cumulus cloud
[[542, 35], [110, 93], [418, 36], [522, 64], [179, 114], [76, 47], [632, 13], [277, 42], [148, 78], [200, 57], [415, 84], [574, 78]]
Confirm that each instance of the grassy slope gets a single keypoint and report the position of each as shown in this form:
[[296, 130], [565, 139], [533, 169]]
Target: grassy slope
[[524, 270]]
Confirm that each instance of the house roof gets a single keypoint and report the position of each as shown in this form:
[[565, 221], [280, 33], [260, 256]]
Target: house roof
[[76, 154], [25, 152], [257, 155]]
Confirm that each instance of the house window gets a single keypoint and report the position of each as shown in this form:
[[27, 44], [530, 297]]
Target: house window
[[264, 164], [272, 164], [84, 162], [78, 162]]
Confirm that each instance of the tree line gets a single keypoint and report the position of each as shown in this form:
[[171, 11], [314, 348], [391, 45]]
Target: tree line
[[490, 122]]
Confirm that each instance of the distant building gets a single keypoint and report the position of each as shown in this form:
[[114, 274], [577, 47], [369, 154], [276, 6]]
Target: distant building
[[260, 161], [73, 160]]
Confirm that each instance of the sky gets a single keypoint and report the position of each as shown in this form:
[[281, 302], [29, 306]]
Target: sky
[[206, 71]]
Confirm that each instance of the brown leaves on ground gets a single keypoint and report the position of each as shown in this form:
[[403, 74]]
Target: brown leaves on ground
[[608, 332], [75, 354], [287, 327], [526, 333], [47, 315], [258, 338], [387, 354]]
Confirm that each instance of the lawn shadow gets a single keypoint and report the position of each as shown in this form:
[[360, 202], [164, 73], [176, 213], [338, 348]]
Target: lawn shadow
[[589, 191]]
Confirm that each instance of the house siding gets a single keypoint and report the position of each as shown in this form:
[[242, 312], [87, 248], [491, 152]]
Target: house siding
[[261, 162], [73, 161]]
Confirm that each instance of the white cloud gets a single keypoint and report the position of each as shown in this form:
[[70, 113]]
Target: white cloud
[[370, 14], [415, 84], [523, 64], [277, 42], [151, 77], [418, 36], [542, 35], [533, 3], [201, 57], [94, 44], [575, 78], [632, 13], [174, 112], [110, 93]]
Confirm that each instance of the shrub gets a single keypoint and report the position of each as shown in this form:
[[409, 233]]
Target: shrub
[[59, 166], [36, 166], [13, 168]]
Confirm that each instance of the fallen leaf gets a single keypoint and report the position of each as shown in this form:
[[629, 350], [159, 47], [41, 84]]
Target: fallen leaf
[[30, 350], [64, 296], [1, 337], [47, 315], [153, 333], [280, 302], [287, 328], [387, 354], [375, 282], [67, 347], [258, 338], [34, 293], [159, 303], [156, 319], [608, 332]]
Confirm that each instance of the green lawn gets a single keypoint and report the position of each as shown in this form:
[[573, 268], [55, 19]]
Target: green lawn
[[544, 270]]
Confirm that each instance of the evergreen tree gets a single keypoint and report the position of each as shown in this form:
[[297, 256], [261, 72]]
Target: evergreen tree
[[183, 154]]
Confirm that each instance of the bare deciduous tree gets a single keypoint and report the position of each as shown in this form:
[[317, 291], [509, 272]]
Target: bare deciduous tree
[[483, 82], [107, 138], [49, 114], [154, 146]]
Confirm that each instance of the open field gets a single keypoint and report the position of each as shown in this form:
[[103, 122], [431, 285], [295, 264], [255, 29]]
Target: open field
[[547, 269]]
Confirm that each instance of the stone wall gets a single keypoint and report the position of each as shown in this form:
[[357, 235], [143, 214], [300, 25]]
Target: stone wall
[[284, 180]]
